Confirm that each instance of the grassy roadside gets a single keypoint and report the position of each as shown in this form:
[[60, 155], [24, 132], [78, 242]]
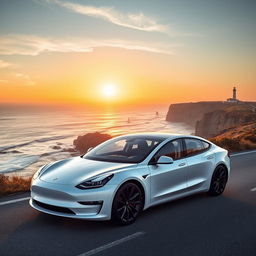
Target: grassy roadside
[[13, 184]]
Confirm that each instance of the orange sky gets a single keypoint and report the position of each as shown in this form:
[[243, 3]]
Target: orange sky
[[138, 77], [147, 60]]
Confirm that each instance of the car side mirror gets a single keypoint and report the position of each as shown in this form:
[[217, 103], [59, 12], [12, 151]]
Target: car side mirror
[[164, 160]]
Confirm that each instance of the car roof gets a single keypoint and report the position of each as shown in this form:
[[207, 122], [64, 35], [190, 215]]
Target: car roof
[[163, 136]]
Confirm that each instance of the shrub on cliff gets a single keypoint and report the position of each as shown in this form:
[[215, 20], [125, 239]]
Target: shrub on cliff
[[237, 139], [251, 138], [229, 144], [83, 143], [13, 184]]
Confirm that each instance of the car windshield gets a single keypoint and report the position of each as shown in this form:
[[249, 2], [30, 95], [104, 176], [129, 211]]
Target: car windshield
[[124, 149]]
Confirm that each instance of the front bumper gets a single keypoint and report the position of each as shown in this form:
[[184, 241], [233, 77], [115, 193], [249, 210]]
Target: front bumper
[[68, 201]]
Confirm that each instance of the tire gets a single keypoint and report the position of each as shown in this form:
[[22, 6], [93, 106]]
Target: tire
[[219, 181], [127, 204]]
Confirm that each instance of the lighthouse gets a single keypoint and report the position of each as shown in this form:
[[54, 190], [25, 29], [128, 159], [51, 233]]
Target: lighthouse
[[234, 93], [233, 99]]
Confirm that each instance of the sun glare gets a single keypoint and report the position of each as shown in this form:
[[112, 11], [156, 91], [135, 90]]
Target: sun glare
[[109, 91]]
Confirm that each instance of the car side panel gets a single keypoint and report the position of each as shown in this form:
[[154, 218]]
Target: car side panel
[[221, 157], [200, 169], [168, 180]]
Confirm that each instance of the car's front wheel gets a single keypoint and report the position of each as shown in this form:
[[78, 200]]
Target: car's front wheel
[[219, 181], [128, 203]]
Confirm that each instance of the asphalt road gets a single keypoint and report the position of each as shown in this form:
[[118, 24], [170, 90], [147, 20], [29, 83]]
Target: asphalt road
[[198, 225]]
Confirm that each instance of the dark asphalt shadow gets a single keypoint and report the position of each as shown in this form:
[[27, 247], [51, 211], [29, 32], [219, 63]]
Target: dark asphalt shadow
[[195, 225]]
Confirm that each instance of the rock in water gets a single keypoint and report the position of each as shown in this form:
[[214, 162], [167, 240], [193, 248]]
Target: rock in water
[[84, 142]]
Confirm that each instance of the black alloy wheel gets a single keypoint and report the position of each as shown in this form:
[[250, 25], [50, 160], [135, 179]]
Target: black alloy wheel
[[127, 204], [219, 181]]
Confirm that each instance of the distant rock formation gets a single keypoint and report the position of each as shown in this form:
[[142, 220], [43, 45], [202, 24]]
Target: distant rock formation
[[83, 143], [219, 121], [190, 113], [231, 125]]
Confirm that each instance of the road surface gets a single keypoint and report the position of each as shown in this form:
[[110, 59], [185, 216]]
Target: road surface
[[197, 225]]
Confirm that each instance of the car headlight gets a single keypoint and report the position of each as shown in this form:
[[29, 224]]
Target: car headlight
[[95, 182]]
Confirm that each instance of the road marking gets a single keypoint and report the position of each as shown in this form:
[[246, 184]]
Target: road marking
[[112, 244], [253, 189], [14, 201], [243, 153]]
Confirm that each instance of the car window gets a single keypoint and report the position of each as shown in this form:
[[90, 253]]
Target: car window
[[113, 147], [124, 150], [172, 149], [205, 145], [194, 146]]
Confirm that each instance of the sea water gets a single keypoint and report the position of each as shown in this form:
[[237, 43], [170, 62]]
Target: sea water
[[31, 136]]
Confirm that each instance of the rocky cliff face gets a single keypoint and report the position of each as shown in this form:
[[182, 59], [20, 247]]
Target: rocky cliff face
[[190, 113], [219, 121]]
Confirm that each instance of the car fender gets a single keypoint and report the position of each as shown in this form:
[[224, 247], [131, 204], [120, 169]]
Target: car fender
[[141, 182]]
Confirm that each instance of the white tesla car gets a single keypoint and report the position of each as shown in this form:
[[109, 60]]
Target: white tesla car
[[125, 175]]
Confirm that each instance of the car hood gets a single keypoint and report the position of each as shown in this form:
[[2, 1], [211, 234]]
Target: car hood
[[75, 170]]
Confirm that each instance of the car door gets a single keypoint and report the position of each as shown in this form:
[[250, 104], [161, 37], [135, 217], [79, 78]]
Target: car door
[[200, 163], [168, 180]]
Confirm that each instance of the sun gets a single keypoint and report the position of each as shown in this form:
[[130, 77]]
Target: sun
[[109, 91]]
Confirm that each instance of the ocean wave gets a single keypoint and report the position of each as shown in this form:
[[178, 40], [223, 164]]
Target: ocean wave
[[52, 153], [77, 124], [12, 152], [6, 119], [21, 162], [18, 163], [4, 148], [120, 126]]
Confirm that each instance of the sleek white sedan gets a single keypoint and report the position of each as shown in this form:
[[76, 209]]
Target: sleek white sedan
[[125, 175]]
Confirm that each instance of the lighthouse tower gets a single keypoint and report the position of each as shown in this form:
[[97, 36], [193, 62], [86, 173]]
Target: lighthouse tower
[[233, 99], [234, 93]]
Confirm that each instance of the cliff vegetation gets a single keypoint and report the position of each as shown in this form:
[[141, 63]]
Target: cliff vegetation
[[13, 184], [237, 139]]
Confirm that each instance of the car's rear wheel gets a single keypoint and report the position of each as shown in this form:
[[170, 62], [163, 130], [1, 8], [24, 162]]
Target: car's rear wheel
[[219, 181], [128, 203]]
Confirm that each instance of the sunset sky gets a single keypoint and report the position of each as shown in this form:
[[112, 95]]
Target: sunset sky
[[126, 52]]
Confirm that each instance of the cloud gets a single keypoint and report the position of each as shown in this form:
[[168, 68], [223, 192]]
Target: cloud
[[21, 75], [3, 81], [4, 64], [137, 21], [34, 45], [26, 78]]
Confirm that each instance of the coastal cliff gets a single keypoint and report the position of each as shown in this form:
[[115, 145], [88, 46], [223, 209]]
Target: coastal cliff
[[219, 121], [190, 113], [231, 125]]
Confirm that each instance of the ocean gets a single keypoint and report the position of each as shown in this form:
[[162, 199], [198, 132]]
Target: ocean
[[31, 136]]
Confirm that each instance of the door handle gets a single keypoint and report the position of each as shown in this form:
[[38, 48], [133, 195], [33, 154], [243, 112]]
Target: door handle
[[210, 157], [182, 164]]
